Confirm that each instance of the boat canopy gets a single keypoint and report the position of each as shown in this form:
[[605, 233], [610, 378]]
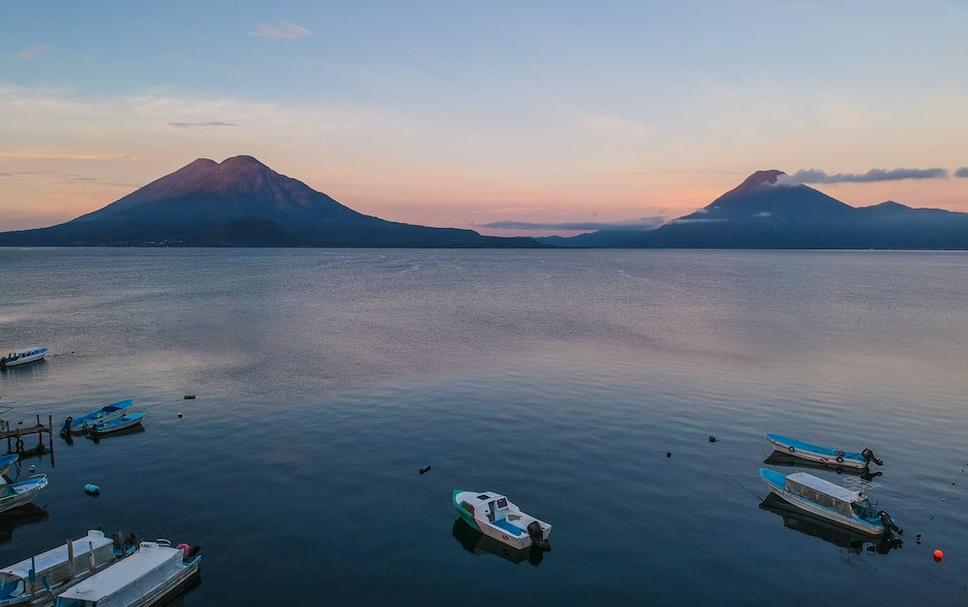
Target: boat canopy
[[49, 564], [823, 492], [129, 579]]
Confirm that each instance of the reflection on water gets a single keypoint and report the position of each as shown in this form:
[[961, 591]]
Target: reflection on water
[[781, 459], [325, 379], [18, 517], [798, 520], [476, 542]]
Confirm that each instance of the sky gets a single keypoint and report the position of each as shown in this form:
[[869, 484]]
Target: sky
[[530, 117]]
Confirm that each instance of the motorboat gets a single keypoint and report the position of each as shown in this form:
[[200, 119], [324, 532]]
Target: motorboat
[[495, 516], [35, 581], [80, 425], [116, 424], [22, 492], [847, 506], [822, 455], [808, 524], [155, 572], [22, 357]]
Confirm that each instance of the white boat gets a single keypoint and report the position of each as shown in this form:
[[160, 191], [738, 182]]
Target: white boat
[[22, 357], [34, 581], [117, 424], [495, 516], [20, 492], [822, 455], [155, 572], [848, 506]]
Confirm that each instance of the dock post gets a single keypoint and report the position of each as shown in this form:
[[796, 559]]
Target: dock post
[[50, 427]]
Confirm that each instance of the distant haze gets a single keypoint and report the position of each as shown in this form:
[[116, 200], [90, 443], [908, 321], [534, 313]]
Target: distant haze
[[469, 115]]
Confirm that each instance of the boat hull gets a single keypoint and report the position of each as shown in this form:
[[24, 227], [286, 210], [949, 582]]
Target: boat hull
[[117, 425], [853, 523], [22, 492], [26, 360], [817, 455], [170, 587]]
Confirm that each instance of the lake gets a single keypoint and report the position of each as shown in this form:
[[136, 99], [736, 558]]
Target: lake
[[326, 378]]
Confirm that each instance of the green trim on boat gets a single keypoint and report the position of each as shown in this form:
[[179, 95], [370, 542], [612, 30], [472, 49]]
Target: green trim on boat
[[464, 514]]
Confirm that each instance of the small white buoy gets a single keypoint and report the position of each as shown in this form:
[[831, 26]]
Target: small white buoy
[[92, 489], [32, 468]]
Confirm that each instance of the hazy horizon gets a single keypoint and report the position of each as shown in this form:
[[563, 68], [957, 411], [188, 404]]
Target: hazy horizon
[[463, 116]]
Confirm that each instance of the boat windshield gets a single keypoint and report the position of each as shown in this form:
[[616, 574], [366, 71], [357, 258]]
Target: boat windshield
[[864, 509]]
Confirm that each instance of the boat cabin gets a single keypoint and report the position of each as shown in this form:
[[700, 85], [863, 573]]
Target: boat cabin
[[825, 493], [54, 566], [131, 578], [494, 506]]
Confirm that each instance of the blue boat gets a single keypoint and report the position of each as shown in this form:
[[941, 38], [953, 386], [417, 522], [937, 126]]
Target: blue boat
[[117, 424], [6, 461], [84, 423], [846, 506], [822, 455]]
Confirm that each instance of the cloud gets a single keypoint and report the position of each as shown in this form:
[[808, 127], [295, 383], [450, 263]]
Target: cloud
[[30, 53], [284, 31], [59, 154], [182, 125], [962, 172], [644, 223], [873, 175]]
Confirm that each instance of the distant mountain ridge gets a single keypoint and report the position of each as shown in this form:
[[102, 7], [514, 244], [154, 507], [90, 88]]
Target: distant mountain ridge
[[764, 212], [241, 202]]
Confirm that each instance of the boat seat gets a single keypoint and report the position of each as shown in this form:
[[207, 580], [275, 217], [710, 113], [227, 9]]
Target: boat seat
[[503, 524]]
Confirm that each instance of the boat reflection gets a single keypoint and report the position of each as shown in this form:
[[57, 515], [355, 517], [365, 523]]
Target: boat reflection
[[798, 520], [477, 543], [18, 517], [179, 600], [780, 459]]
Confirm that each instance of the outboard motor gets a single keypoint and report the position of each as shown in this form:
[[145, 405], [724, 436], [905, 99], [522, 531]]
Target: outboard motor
[[65, 430], [870, 457], [888, 521], [537, 536]]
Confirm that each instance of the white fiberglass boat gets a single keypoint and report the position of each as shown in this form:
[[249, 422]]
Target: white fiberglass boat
[[20, 492], [847, 506], [34, 581], [22, 357], [155, 572], [495, 516]]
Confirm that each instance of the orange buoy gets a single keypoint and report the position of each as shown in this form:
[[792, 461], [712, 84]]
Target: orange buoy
[[938, 555]]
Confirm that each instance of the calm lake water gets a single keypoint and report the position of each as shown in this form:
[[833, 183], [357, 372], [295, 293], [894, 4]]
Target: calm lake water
[[326, 378]]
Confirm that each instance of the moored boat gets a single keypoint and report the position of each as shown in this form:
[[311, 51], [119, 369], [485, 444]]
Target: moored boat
[[35, 580], [153, 573], [82, 424], [822, 455], [22, 357], [20, 492], [6, 461], [495, 516], [117, 424], [846, 506]]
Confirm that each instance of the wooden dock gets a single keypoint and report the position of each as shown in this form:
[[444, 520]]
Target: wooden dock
[[15, 433]]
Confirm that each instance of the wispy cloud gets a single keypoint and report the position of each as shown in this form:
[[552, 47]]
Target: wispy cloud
[[873, 175], [284, 31], [962, 172], [58, 154], [182, 125], [30, 53], [644, 223]]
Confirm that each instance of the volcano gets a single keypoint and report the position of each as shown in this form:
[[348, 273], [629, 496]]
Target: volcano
[[240, 202]]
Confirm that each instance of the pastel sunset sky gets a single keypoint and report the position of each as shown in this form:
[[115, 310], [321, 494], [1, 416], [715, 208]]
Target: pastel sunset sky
[[547, 114]]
